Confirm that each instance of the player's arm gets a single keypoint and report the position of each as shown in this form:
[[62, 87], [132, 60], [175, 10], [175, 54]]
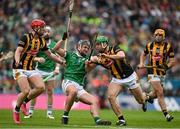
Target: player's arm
[[118, 55], [171, 62], [143, 57], [56, 70], [18, 54], [54, 57], [58, 48], [19, 49], [39, 59], [91, 64]]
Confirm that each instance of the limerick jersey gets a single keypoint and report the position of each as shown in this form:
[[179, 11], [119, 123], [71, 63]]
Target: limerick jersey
[[158, 55], [48, 65], [31, 47], [120, 68], [75, 67]]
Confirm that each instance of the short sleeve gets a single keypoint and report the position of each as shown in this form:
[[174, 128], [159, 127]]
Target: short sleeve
[[171, 52], [44, 45], [23, 41], [116, 49], [146, 51]]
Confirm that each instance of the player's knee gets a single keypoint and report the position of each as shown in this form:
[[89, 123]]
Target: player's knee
[[94, 101], [41, 88], [111, 98], [140, 100], [49, 92], [26, 91], [72, 92], [160, 94]]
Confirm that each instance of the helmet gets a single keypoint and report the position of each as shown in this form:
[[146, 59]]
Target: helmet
[[84, 42], [160, 31], [48, 28], [37, 23], [101, 39]]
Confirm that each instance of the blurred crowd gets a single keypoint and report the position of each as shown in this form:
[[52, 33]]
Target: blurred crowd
[[129, 23]]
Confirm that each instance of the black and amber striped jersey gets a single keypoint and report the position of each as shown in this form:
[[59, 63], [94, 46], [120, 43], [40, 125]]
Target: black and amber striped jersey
[[31, 46], [158, 55], [119, 68]]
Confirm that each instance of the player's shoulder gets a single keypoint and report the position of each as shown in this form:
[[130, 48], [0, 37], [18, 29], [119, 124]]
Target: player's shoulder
[[116, 48], [150, 43]]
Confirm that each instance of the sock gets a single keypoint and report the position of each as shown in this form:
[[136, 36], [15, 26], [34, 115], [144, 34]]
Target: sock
[[49, 109], [97, 119], [31, 109], [66, 113], [26, 100], [165, 112], [121, 117], [17, 109]]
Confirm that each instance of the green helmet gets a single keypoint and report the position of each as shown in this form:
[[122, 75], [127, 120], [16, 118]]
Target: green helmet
[[102, 39]]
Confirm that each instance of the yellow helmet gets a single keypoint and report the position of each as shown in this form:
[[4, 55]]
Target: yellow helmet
[[160, 31]]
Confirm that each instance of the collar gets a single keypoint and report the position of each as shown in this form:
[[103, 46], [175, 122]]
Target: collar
[[78, 54]]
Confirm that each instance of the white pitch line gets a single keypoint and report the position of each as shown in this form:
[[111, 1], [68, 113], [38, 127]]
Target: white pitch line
[[86, 127]]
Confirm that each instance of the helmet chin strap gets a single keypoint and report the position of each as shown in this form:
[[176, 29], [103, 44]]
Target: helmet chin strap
[[36, 32], [104, 46]]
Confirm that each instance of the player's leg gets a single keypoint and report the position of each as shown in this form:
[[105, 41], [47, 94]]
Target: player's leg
[[39, 87], [49, 89], [160, 96], [31, 108], [89, 99], [71, 94], [25, 89], [113, 90], [139, 96]]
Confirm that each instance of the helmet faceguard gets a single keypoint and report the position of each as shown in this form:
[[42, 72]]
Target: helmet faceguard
[[37, 25], [84, 42], [158, 33], [48, 32], [103, 41], [83, 47]]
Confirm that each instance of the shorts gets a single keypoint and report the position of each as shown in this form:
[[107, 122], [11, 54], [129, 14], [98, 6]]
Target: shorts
[[18, 73], [46, 74], [129, 82], [152, 77], [80, 89]]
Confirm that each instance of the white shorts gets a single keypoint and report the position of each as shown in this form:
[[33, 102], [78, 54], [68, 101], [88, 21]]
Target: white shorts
[[152, 77], [18, 73], [45, 74], [129, 82], [80, 89]]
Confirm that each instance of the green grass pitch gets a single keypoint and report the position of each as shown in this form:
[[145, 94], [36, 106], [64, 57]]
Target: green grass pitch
[[83, 120]]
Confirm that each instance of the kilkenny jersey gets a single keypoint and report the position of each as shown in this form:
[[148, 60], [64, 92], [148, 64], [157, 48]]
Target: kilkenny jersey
[[75, 67], [119, 68], [31, 47], [158, 55], [49, 65]]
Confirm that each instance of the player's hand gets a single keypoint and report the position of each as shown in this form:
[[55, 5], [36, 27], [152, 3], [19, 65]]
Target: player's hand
[[17, 63], [102, 55], [65, 35], [56, 71], [41, 60], [140, 66], [63, 63]]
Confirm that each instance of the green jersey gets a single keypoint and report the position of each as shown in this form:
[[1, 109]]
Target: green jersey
[[48, 65], [75, 67]]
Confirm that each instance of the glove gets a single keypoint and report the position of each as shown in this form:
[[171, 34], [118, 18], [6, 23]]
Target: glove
[[65, 35]]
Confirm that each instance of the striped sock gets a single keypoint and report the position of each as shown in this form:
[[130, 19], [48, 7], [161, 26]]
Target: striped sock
[[49, 109], [31, 109]]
